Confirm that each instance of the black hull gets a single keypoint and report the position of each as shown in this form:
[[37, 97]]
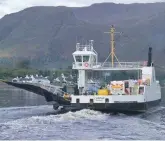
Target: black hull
[[132, 108], [49, 96], [106, 107]]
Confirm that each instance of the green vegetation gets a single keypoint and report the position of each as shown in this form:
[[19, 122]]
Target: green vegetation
[[8, 73], [22, 71], [23, 64]]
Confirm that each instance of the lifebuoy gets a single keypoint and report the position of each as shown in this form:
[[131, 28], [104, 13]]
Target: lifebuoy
[[86, 64]]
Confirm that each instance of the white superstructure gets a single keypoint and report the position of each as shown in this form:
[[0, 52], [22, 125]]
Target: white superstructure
[[138, 85], [146, 83]]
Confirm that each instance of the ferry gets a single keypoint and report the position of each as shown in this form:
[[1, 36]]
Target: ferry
[[113, 86], [110, 86]]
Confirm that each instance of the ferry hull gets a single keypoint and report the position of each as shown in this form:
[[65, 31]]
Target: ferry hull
[[118, 107]]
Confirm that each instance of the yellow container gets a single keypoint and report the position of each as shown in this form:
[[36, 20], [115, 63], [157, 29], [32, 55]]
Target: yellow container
[[103, 92], [66, 96]]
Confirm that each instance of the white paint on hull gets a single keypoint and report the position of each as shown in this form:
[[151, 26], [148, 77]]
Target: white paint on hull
[[112, 98], [153, 92]]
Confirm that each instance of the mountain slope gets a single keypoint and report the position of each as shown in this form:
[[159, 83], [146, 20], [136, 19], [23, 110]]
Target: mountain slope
[[47, 35], [118, 14]]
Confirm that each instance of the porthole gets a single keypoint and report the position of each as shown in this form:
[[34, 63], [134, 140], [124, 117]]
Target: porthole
[[91, 101], [77, 100], [106, 100]]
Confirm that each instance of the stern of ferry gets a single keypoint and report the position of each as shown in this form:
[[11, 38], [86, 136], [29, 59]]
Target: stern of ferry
[[125, 87]]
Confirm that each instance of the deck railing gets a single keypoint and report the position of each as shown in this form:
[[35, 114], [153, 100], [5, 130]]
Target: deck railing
[[50, 88], [54, 89], [99, 65], [122, 65], [83, 47]]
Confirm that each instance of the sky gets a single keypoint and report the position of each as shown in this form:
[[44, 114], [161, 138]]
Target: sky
[[11, 6]]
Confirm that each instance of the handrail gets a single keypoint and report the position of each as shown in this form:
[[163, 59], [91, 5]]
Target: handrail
[[109, 65], [50, 88], [55, 90]]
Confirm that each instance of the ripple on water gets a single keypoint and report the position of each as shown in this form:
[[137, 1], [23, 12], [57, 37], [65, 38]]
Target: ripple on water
[[84, 124]]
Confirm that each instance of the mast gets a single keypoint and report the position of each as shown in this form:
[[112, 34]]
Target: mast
[[112, 30], [112, 45]]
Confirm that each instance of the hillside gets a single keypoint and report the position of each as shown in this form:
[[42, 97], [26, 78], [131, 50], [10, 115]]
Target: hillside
[[47, 35], [118, 14]]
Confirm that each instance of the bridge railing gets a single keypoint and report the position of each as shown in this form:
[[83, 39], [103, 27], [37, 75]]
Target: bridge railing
[[108, 65], [122, 64], [55, 90]]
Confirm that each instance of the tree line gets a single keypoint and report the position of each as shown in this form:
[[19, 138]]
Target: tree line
[[23, 68]]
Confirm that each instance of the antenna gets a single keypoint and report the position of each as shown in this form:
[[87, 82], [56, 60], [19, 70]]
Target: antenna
[[112, 45], [91, 44]]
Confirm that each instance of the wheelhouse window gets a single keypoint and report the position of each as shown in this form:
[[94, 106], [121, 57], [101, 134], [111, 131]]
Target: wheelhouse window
[[85, 58], [78, 58]]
